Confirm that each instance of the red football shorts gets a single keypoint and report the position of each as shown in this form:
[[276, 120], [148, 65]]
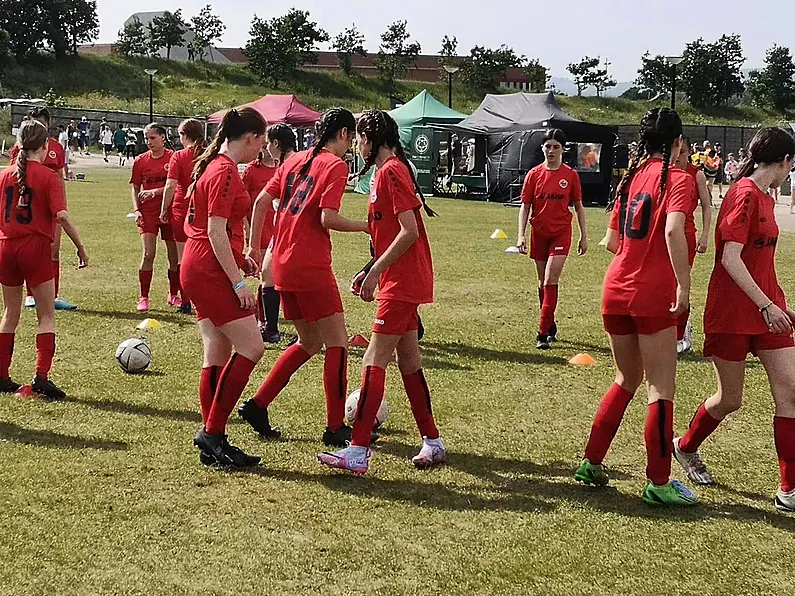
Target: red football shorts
[[178, 228], [629, 325], [208, 286], [311, 305], [26, 260], [734, 347], [395, 317], [151, 224], [543, 247]]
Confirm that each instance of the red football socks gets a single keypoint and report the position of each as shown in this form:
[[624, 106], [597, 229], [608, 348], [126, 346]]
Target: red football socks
[[606, 422], [701, 426], [145, 279], [784, 435], [420, 399], [659, 435], [208, 384], [6, 353], [231, 384], [45, 351], [56, 274], [335, 382], [173, 282], [290, 361], [550, 303], [370, 397]]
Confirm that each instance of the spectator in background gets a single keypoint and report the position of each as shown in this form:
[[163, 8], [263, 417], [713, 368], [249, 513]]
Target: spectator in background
[[120, 142], [730, 169], [63, 139], [84, 128], [131, 149], [711, 169], [456, 153], [720, 177], [106, 139], [74, 136]]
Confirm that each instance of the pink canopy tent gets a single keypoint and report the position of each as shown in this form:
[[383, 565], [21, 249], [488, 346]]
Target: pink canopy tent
[[278, 109]]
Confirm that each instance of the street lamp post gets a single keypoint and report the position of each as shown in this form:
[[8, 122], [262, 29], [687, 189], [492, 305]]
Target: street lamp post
[[151, 72], [673, 61], [450, 70]]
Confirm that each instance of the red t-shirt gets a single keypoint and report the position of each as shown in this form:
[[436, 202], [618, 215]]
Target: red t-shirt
[[45, 199], [150, 174], [255, 177], [550, 193], [640, 280], [180, 169], [747, 216], [55, 158], [410, 279], [302, 246], [219, 193], [690, 219]]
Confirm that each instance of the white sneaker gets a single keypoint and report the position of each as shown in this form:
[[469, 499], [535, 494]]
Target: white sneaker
[[353, 458], [693, 466], [785, 501], [432, 453], [30, 302]]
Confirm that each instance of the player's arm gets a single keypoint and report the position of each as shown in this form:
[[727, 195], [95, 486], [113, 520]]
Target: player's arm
[[257, 224], [406, 237], [583, 247], [332, 220], [136, 194], [524, 215], [677, 252], [219, 240], [169, 190], [706, 211], [610, 240], [71, 230]]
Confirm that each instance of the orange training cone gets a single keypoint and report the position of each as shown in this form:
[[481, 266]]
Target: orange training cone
[[582, 360], [359, 341]]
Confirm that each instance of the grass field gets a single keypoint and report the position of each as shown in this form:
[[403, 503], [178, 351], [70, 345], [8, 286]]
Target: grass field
[[104, 494]]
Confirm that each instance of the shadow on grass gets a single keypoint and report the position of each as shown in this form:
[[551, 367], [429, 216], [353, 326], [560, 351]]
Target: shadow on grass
[[120, 407], [432, 350], [46, 438], [163, 317]]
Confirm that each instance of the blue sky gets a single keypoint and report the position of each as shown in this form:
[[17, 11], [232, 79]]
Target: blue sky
[[555, 32]]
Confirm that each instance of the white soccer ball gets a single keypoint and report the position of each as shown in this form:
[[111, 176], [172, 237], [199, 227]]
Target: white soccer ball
[[133, 355], [353, 402]]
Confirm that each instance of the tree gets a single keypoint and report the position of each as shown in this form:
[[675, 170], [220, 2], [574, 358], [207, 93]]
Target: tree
[[57, 25], [167, 32], [395, 53], [710, 72], [600, 80], [774, 85], [484, 66], [5, 46], [583, 73], [81, 22], [446, 55], [207, 28], [654, 75], [278, 47], [348, 44], [132, 39], [21, 21], [537, 74]]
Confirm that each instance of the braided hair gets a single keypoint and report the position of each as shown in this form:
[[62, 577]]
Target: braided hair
[[769, 146], [284, 135], [382, 131], [329, 126], [31, 137], [234, 125], [659, 128]]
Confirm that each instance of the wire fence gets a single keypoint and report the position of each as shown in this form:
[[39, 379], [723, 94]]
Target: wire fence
[[730, 138]]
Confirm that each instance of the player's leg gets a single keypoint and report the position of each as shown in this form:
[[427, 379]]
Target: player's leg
[[12, 309], [44, 294], [552, 274], [542, 341], [145, 272], [174, 290], [658, 352], [60, 303], [629, 376], [335, 374], [270, 301]]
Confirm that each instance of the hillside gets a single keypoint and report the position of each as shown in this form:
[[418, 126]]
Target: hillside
[[191, 88]]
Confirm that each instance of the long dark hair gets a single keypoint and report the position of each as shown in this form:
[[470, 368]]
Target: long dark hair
[[31, 137], [193, 129], [329, 126], [382, 131], [284, 135], [769, 146], [659, 128], [554, 134]]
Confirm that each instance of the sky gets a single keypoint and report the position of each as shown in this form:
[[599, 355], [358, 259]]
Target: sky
[[557, 33]]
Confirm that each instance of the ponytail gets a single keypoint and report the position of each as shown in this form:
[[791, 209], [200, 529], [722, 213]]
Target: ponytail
[[332, 122], [22, 167], [747, 167]]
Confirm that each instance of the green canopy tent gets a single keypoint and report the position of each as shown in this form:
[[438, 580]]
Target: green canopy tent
[[422, 109]]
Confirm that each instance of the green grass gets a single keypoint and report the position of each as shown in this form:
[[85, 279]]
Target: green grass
[[104, 494]]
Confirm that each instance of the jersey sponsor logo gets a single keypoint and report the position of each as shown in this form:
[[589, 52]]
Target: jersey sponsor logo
[[380, 322], [552, 196], [564, 184], [766, 242]]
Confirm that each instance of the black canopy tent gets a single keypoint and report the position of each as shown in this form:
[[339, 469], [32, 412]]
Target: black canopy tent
[[508, 131]]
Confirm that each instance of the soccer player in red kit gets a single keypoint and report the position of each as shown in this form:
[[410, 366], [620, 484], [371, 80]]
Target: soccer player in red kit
[[211, 273], [403, 272], [549, 190], [175, 203], [684, 333], [309, 187], [33, 201], [646, 288], [281, 145], [747, 311], [148, 180]]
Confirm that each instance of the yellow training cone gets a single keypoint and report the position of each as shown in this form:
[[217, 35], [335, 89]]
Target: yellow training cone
[[150, 325], [499, 235], [582, 360]]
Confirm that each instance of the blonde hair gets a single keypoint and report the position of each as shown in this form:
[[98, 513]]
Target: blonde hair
[[31, 137]]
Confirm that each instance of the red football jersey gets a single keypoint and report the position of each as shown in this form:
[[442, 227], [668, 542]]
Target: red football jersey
[[410, 279], [219, 193], [255, 177], [180, 169], [55, 158], [150, 174], [302, 246], [45, 199], [640, 280], [690, 218], [550, 193], [747, 216]]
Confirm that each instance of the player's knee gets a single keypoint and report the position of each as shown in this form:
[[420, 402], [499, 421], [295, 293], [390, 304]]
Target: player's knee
[[729, 401], [408, 365], [310, 345], [629, 380]]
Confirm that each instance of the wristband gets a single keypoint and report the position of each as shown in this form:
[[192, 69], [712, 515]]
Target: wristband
[[239, 285], [766, 306]]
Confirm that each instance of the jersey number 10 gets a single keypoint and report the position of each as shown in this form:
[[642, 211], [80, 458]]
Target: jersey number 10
[[635, 216]]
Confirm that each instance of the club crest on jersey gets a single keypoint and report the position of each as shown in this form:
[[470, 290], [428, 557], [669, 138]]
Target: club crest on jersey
[[373, 197], [52, 155], [564, 184]]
